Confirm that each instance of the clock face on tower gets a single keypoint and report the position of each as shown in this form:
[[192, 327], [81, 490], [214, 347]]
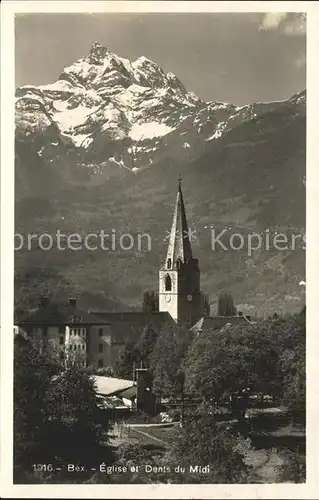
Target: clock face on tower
[[168, 298]]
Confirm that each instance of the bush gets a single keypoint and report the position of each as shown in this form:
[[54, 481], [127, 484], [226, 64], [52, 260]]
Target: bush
[[108, 371], [293, 468]]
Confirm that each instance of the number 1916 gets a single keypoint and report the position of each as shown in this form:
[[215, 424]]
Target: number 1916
[[42, 467]]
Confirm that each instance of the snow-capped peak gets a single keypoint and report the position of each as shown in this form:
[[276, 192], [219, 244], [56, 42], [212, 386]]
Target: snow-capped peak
[[98, 51], [144, 60], [104, 101]]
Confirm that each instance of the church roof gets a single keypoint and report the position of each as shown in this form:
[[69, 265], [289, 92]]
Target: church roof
[[218, 322], [179, 246], [128, 326], [124, 325], [57, 313]]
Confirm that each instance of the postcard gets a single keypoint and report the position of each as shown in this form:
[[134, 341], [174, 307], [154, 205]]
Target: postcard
[[158, 168]]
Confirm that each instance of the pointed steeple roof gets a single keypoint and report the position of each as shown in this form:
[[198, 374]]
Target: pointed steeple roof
[[179, 246]]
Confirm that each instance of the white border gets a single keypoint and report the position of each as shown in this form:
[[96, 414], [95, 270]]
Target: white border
[[311, 488]]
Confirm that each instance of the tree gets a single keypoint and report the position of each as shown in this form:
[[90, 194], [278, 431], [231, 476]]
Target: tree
[[266, 358], [106, 371], [146, 344], [76, 431], [166, 360], [293, 366], [56, 417], [205, 304], [128, 356], [150, 301], [201, 442], [226, 305], [224, 365], [32, 376]]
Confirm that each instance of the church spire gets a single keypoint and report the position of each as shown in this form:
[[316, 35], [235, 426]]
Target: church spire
[[179, 277], [179, 247]]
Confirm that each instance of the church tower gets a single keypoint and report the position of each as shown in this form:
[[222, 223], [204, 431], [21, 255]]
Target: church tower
[[179, 276]]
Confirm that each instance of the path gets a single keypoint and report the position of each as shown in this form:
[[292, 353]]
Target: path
[[149, 436], [168, 424]]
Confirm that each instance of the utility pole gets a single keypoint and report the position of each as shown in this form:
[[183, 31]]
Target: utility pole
[[181, 381], [134, 372], [181, 422]]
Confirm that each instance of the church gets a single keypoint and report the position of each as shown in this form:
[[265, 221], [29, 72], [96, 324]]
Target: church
[[96, 337], [179, 277]]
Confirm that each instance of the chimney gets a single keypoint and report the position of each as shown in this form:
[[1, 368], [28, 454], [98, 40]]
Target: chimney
[[72, 301], [43, 302]]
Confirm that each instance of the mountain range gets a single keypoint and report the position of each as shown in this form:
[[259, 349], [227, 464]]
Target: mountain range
[[103, 146]]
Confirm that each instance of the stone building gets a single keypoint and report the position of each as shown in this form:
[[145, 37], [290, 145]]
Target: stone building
[[93, 338]]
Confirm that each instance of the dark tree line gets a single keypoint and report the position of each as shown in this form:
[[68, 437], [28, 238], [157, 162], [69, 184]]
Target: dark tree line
[[57, 419], [150, 301], [226, 305], [267, 357]]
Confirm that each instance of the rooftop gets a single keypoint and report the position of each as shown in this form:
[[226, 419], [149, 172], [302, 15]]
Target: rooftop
[[108, 386], [219, 322], [57, 313], [129, 325]]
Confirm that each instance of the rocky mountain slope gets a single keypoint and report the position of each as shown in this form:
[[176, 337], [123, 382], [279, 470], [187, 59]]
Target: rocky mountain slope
[[102, 148]]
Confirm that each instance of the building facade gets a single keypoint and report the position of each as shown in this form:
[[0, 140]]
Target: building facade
[[91, 338], [71, 333]]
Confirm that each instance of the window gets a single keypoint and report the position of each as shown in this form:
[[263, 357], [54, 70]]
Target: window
[[83, 347], [100, 347], [100, 332], [74, 347], [168, 283], [169, 263], [100, 363], [61, 340], [76, 319], [84, 363]]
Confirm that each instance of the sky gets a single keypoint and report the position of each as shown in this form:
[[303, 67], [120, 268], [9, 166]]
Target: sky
[[230, 57]]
